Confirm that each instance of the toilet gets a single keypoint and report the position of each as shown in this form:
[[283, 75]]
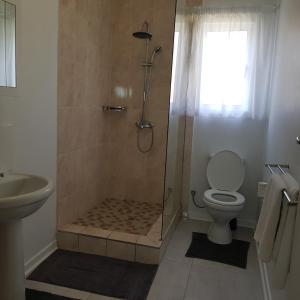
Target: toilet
[[225, 175]]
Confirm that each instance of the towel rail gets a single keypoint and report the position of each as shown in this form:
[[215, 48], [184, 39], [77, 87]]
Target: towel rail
[[284, 192]]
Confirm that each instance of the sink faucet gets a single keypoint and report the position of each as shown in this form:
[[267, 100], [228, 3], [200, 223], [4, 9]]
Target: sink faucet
[[2, 172]]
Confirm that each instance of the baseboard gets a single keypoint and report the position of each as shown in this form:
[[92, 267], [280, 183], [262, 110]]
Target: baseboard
[[248, 223], [195, 216], [32, 263], [264, 278]]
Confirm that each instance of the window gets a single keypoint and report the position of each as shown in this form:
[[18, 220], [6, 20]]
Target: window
[[224, 83], [223, 59], [7, 44]]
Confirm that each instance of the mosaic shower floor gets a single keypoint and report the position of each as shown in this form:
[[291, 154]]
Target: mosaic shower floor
[[122, 215]]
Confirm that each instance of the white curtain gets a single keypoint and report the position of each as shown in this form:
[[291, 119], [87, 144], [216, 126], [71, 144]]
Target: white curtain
[[223, 74], [224, 61]]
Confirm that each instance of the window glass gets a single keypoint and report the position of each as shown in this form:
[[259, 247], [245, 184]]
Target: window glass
[[224, 84]]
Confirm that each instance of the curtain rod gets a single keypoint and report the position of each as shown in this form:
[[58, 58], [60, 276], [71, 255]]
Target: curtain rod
[[214, 5], [236, 6]]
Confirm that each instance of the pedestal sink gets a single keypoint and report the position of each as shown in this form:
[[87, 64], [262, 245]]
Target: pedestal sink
[[20, 196]]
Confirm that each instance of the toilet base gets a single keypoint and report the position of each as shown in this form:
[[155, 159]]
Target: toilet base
[[220, 233]]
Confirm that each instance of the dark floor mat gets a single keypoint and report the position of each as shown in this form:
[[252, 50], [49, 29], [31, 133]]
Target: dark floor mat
[[36, 295], [97, 274], [234, 254]]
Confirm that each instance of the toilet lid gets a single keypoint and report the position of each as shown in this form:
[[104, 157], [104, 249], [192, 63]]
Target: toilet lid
[[226, 171]]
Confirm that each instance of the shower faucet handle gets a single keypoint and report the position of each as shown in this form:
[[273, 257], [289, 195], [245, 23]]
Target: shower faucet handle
[[143, 124], [3, 171]]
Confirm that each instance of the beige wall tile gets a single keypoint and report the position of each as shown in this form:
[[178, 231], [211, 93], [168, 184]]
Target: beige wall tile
[[66, 212], [72, 228], [92, 245], [96, 232], [67, 241], [69, 173], [146, 241], [66, 91], [84, 85], [159, 98], [124, 237], [120, 250], [147, 255], [70, 130], [155, 232]]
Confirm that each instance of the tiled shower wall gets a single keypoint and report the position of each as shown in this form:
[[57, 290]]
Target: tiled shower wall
[[84, 86], [99, 64], [135, 175]]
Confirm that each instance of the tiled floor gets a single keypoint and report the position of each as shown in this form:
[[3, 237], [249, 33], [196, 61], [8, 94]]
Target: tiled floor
[[182, 278], [122, 216], [185, 278]]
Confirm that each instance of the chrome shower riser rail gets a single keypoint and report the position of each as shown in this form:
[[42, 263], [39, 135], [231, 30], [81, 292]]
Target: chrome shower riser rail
[[147, 64]]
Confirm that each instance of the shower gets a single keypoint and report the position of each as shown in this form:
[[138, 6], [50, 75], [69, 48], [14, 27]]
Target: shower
[[143, 123]]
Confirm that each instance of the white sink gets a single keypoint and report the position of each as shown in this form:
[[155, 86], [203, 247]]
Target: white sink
[[20, 196]]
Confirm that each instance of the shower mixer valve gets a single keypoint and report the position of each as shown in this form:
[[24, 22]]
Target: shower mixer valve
[[144, 124]]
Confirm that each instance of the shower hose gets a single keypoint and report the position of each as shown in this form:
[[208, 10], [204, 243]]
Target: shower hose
[[138, 141], [193, 193]]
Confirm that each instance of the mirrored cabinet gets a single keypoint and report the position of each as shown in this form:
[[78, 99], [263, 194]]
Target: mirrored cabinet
[[7, 44]]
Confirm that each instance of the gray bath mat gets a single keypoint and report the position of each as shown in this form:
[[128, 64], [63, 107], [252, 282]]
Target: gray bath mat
[[37, 295], [234, 254], [97, 274]]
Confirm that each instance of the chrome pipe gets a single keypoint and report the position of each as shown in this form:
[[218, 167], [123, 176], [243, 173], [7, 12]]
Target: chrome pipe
[[281, 170], [284, 192]]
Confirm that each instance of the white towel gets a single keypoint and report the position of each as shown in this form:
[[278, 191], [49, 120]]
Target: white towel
[[284, 240], [269, 217]]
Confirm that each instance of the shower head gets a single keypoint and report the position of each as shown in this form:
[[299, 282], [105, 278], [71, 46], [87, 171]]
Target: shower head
[[142, 35], [156, 51]]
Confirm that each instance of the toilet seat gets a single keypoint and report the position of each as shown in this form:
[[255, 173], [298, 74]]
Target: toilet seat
[[224, 198]]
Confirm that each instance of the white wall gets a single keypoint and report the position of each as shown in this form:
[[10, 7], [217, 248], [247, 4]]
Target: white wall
[[284, 123], [32, 110]]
